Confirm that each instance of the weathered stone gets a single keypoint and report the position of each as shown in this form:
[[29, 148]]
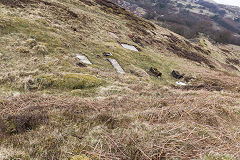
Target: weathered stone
[[155, 72], [177, 75], [107, 54], [116, 65], [80, 64], [83, 58], [130, 47], [181, 83]]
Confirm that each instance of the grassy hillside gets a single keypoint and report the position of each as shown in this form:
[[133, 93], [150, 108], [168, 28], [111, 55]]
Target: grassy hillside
[[53, 108], [190, 17]]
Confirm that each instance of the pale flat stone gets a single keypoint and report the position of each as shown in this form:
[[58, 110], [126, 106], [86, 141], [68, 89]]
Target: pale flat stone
[[116, 65], [83, 58], [113, 35], [181, 83], [130, 47]]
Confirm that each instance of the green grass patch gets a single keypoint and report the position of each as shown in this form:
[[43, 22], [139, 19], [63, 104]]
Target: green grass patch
[[69, 81]]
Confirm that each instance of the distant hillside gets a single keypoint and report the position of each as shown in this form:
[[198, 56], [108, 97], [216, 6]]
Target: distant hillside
[[191, 17]]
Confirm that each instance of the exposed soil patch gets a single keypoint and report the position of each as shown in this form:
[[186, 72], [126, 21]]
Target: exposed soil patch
[[210, 85], [207, 52], [138, 29], [229, 66], [193, 56], [15, 124], [136, 39], [232, 61], [89, 3], [136, 22], [173, 39], [204, 86], [233, 67], [225, 50], [145, 41]]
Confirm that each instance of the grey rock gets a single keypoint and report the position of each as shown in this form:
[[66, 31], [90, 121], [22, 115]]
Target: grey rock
[[116, 65], [83, 58]]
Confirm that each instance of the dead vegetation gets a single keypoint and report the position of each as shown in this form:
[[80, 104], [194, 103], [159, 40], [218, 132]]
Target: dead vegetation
[[213, 81], [184, 126], [87, 2], [184, 49], [193, 56], [233, 61], [207, 52], [110, 7]]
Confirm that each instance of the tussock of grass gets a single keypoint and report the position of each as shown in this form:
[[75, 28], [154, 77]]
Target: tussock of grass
[[68, 81], [81, 157]]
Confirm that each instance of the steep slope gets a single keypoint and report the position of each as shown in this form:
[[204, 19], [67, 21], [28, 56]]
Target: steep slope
[[54, 107], [190, 17]]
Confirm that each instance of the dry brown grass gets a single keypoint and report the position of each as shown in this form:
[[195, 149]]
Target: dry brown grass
[[151, 124]]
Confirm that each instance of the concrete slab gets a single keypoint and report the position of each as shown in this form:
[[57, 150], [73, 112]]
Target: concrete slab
[[83, 58], [130, 47], [116, 65]]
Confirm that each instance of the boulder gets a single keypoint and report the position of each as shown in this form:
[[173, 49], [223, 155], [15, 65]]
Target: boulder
[[107, 54], [155, 72], [177, 75], [80, 64]]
